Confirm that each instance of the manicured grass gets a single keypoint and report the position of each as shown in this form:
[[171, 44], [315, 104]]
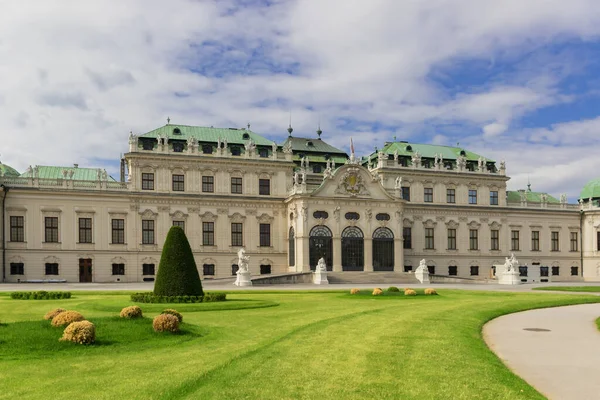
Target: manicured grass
[[311, 345], [570, 288]]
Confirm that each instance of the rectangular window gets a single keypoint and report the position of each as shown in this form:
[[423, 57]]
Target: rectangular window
[[147, 269], [535, 240], [17, 269], [17, 229], [263, 153], [118, 231], [452, 270], [406, 193], [450, 195], [407, 235], [235, 151], [118, 269], [428, 195], [543, 271], [208, 269], [178, 183], [522, 271], [429, 239], [265, 235], [208, 234], [180, 224], [234, 269], [85, 230], [51, 268], [474, 270], [237, 235], [147, 181], [473, 239], [493, 197], [574, 244], [555, 271], [495, 239], [472, 196], [147, 231], [51, 231], [598, 241], [265, 269], [208, 184], [451, 239], [407, 268], [574, 271], [431, 269], [554, 241], [514, 240], [264, 187], [236, 185]]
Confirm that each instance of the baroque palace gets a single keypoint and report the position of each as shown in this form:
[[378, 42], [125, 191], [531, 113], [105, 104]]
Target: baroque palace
[[288, 205]]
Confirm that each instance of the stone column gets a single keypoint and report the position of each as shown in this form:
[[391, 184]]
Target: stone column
[[368, 254], [398, 254], [337, 254]]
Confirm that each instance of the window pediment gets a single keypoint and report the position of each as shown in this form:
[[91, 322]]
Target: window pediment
[[208, 217], [429, 223]]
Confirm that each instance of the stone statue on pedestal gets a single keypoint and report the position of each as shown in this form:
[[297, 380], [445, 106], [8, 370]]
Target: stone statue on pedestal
[[320, 274], [243, 273], [422, 272]]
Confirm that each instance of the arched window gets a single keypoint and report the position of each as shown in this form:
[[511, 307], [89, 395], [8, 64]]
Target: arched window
[[352, 216], [353, 249], [383, 249], [320, 245], [292, 248]]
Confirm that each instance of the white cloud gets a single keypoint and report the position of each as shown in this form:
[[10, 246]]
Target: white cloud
[[77, 76]]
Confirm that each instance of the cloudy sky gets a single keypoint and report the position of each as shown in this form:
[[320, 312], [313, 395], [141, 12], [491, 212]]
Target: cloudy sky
[[515, 80]]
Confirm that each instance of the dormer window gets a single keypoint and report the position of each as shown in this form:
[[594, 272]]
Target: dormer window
[[409, 148], [176, 131], [463, 153], [177, 147], [309, 143], [147, 144], [245, 136]]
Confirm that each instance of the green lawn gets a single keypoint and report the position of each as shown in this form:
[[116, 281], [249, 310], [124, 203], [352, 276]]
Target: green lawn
[[275, 345], [570, 288]]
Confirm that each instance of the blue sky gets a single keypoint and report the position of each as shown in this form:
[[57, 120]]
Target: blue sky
[[512, 80]]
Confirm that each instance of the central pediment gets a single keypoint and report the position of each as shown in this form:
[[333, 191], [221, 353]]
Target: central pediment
[[352, 181]]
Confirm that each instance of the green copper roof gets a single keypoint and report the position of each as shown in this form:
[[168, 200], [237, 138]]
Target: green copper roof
[[339, 160], [204, 134], [79, 174], [514, 196], [6, 170], [308, 146], [427, 151], [591, 189]]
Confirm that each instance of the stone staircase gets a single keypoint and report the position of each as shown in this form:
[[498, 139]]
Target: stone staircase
[[371, 277]]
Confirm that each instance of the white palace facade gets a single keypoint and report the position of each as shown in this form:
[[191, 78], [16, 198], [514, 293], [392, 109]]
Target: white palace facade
[[288, 205]]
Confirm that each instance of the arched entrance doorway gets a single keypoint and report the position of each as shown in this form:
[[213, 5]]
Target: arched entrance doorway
[[353, 249], [383, 250], [320, 245]]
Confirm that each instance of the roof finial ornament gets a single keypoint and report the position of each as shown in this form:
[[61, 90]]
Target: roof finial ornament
[[394, 138], [168, 120], [528, 184], [290, 129], [248, 125], [319, 131]]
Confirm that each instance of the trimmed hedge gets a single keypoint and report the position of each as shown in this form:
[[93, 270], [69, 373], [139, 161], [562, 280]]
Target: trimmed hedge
[[40, 295], [177, 272], [149, 297]]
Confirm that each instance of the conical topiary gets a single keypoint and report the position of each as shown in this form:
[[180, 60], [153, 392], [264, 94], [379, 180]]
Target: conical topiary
[[177, 273]]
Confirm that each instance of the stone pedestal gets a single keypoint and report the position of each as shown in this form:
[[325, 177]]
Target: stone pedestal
[[422, 276], [509, 278], [320, 278], [243, 279]]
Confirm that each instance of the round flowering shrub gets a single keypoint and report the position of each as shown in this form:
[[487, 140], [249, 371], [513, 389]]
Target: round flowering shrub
[[409, 292], [82, 332], [165, 323], [66, 317], [354, 291], [430, 292], [173, 312], [53, 313], [393, 289], [377, 292], [131, 312]]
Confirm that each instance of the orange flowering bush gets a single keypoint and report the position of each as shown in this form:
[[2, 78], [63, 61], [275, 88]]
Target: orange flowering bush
[[430, 291], [131, 312], [165, 323], [354, 291], [66, 317], [82, 332], [173, 312], [377, 292], [409, 292], [53, 313]]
